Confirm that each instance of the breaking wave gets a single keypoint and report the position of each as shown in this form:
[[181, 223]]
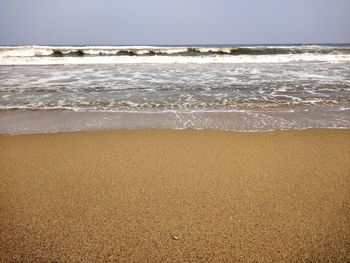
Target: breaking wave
[[74, 55], [74, 51]]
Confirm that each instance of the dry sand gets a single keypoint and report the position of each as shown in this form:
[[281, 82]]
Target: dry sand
[[174, 196]]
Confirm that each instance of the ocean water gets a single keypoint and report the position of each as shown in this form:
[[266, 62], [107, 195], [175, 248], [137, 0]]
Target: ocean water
[[245, 88]]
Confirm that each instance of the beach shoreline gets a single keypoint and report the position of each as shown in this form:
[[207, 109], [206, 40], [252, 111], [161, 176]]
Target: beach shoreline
[[27, 121], [175, 195]]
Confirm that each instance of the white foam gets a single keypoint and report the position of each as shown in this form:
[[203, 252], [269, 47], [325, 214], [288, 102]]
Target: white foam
[[172, 59]]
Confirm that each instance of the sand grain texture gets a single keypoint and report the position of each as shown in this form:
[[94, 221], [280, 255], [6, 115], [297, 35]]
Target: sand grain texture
[[175, 196]]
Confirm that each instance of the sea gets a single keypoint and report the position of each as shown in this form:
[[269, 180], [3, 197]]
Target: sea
[[228, 87]]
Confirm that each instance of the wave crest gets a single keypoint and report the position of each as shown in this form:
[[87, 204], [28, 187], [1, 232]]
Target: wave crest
[[66, 51]]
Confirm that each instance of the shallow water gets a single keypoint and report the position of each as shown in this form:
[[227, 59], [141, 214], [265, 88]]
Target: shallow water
[[308, 87]]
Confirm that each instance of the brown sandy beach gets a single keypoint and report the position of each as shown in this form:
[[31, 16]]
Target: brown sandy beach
[[175, 196]]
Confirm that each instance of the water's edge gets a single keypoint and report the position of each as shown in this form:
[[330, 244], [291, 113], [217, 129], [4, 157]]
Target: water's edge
[[49, 121]]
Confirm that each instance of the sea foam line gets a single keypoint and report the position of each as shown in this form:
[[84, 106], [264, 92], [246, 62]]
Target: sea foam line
[[9, 61]]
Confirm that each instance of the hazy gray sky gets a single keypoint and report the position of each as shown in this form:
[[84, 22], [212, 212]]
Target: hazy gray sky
[[173, 21]]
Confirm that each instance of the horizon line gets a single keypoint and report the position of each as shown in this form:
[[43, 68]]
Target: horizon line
[[191, 44]]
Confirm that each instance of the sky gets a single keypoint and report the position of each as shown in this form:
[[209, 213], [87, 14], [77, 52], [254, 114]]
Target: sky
[[177, 22]]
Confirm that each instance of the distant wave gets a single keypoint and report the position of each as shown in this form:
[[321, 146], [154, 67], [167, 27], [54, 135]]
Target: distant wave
[[61, 51], [48, 55], [193, 51]]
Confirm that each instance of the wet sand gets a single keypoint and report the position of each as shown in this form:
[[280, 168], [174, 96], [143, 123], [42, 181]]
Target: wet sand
[[175, 196]]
